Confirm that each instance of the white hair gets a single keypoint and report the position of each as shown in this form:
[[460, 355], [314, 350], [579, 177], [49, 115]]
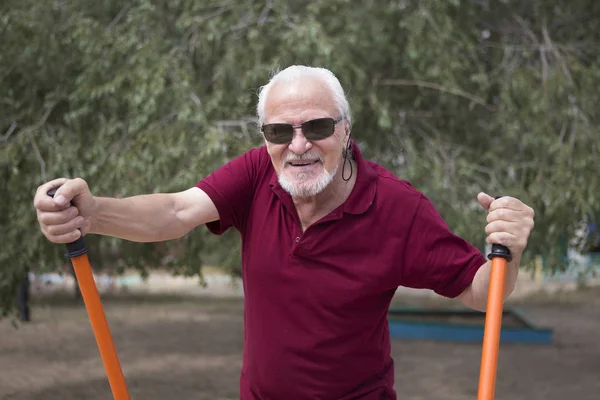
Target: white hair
[[307, 190], [295, 72]]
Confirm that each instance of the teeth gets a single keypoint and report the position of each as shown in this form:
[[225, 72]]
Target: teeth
[[302, 163]]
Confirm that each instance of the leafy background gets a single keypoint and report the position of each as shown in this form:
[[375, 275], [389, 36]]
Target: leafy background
[[150, 96]]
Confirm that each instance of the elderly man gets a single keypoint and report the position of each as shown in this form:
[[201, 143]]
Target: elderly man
[[327, 238]]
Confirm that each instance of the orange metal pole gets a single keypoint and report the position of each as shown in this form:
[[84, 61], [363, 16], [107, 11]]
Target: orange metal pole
[[91, 298], [493, 324], [77, 252], [500, 256]]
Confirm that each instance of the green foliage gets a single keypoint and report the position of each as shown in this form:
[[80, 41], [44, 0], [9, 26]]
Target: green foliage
[[139, 97]]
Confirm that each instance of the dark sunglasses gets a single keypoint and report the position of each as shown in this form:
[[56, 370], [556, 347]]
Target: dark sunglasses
[[313, 130]]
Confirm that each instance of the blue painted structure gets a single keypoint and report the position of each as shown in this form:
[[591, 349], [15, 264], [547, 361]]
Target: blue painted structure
[[407, 323]]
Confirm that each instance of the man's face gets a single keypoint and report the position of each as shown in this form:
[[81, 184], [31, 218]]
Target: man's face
[[304, 168]]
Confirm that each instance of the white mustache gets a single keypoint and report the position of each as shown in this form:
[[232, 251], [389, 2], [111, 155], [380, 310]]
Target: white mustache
[[290, 157]]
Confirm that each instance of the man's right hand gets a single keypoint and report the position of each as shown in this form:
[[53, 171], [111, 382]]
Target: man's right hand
[[64, 218]]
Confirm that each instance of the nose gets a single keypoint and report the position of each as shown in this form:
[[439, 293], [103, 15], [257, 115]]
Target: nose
[[299, 143]]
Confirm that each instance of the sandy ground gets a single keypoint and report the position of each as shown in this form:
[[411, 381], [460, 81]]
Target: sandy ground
[[190, 348]]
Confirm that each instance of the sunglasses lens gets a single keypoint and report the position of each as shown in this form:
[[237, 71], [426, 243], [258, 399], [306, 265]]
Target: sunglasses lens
[[278, 133], [318, 129]]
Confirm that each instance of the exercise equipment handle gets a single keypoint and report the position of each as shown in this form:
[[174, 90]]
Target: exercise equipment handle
[[77, 252], [500, 256]]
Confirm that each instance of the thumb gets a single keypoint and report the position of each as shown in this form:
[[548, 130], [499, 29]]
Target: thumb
[[70, 190], [485, 200]]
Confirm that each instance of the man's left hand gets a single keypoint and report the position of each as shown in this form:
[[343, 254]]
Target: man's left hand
[[509, 222]]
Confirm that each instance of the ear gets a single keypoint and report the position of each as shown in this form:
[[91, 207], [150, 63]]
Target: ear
[[347, 130]]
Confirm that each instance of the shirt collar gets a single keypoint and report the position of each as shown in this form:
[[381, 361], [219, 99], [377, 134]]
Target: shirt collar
[[362, 194]]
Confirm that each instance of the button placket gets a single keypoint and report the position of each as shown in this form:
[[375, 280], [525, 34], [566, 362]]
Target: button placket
[[296, 246]]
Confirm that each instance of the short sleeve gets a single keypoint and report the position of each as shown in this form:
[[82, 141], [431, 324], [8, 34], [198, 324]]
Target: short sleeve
[[232, 187], [435, 258]]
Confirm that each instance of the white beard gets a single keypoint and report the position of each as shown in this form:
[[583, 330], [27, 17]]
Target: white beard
[[303, 189]]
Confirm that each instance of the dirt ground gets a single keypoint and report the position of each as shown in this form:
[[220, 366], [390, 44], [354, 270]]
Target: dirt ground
[[190, 348]]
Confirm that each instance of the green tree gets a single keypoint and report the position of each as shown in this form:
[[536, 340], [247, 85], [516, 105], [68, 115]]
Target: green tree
[[140, 97]]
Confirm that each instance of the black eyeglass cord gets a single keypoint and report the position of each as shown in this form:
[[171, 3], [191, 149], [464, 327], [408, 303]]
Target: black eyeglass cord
[[346, 161]]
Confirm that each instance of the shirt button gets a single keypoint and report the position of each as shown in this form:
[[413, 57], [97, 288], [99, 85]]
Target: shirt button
[[297, 239]]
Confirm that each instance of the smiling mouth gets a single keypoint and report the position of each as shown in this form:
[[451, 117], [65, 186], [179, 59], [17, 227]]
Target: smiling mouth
[[303, 163]]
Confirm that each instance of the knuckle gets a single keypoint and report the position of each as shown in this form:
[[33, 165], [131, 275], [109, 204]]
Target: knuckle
[[42, 218], [58, 240], [494, 227], [80, 182], [531, 224], [39, 204], [51, 230], [495, 238], [499, 213]]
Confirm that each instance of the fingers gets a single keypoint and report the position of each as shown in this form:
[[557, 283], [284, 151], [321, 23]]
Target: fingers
[[503, 214], [510, 234], [61, 226], [509, 223], [63, 229], [504, 238], [44, 202], [517, 213], [67, 190], [57, 217], [64, 238], [510, 203], [59, 220], [485, 200]]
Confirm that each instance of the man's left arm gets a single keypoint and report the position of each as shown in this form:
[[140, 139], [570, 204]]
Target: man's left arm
[[509, 223]]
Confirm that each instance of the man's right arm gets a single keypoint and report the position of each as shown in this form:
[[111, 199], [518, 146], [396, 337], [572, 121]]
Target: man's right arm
[[153, 217], [143, 218]]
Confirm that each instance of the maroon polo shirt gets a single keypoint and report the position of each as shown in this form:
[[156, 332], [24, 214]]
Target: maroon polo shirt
[[316, 303]]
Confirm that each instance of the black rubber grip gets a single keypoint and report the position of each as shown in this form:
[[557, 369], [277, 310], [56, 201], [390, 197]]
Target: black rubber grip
[[77, 247], [499, 250]]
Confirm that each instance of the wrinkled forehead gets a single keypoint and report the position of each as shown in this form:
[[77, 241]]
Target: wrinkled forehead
[[299, 97]]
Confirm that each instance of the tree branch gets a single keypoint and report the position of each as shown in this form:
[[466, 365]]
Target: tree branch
[[557, 54], [29, 128], [38, 155], [192, 34], [435, 86], [265, 12], [118, 17], [527, 30], [49, 130], [12, 128]]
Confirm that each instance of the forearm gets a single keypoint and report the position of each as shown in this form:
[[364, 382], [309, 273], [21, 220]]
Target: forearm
[[143, 218], [478, 291]]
